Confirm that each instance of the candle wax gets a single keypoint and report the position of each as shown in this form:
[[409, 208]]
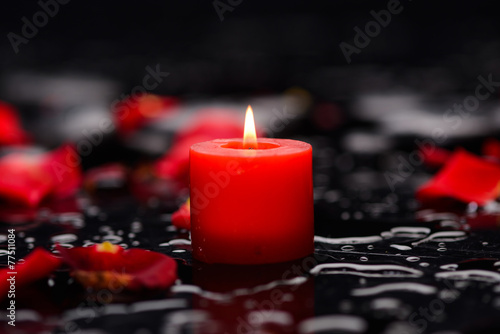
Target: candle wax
[[251, 206]]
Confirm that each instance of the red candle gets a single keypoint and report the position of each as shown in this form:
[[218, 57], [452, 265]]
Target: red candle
[[251, 201]]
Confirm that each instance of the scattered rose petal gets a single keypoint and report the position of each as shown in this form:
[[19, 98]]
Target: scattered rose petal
[[130, 114], [484, 222], [37, 265], [182, 217], [435, 157], [11, 132], [211, 124], [64, 170], [27, 178], [108, 266], [466, 178], [23, 179]]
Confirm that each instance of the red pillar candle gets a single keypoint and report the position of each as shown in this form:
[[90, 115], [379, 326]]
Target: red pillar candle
[[251, 205]]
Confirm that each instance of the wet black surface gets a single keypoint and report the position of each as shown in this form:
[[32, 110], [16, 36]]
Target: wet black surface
[[382, 263], [376, 268]]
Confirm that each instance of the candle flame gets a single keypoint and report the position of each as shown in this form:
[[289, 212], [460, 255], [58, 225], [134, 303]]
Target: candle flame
[[249, 135]]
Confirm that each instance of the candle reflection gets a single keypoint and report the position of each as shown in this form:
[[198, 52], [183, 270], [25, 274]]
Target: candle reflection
[[253, 299]]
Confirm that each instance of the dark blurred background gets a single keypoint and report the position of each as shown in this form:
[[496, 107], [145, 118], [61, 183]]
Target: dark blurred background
[[259, 46], [87, 54]]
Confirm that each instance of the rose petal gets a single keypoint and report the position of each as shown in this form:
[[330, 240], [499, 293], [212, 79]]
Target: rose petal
[[435, 157], [37, 265], [65, 173], [11, 132], [211, 124], [465, 177], [107, 265], [27, 178], [182, 217], [23, 180], [130, 114]]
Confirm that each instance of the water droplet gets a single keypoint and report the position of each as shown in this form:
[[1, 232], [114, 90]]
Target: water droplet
[[468, 275], [64, 238], [363, 258], [135, 243], [345, 215], [176, 242], [29, 240], [424, 264], [441, 244], [358, 215], [485, 243], [400, 247], [179, 251], [442, 249], [386, 235], [389, 287], [350, 241], [3, 238], [347, 248], [50, 282], [93, 211], [331, 196], [413, 259], [444, 236], [448, 295], [370, 247], [365, 270], [451, 266], [136, 227]]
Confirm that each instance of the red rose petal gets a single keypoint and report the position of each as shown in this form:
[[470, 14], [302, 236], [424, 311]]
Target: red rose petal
[[37, 265], [65, 173], [211, 124], [135, 269], [465, 177], [23, 181], [130, 114], [182, 217], [27, 179], [11, 132], [436, 157]]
